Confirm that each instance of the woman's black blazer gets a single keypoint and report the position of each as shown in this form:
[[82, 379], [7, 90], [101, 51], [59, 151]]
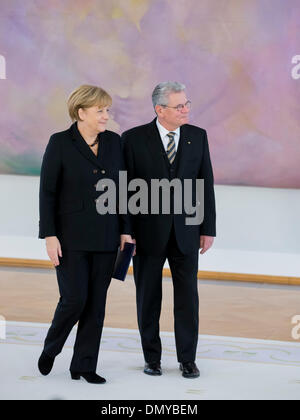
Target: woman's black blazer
[[69, 174]]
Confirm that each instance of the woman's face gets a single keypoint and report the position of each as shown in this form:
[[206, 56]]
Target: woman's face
[[94, 118]]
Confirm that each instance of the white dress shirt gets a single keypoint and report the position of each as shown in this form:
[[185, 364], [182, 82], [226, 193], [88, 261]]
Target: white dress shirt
[[163, 135]]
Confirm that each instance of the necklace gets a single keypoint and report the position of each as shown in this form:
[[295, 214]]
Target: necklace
[[94, 143]]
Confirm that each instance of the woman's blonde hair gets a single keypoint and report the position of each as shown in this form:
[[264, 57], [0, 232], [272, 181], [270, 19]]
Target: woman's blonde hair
[[86, 96]]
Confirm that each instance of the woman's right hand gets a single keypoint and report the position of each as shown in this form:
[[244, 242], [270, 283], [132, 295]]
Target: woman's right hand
[[53, 249]]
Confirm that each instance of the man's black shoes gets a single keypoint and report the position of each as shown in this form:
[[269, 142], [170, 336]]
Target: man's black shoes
[[153, 369], [189, 370], [45, 363]]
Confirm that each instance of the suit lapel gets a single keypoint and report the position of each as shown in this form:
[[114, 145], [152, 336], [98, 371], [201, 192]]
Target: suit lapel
[[84, 149], [156, 148], [184, 150], [102, 148]]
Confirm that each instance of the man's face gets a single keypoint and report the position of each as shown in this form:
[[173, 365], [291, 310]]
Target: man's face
[[171, 117]]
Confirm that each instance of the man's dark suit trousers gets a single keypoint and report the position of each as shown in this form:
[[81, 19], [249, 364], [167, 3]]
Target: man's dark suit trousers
[[148, 280]]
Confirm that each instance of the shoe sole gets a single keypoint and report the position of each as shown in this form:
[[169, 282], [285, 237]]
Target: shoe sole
[[77, 377], [190, 376], [153, 374]]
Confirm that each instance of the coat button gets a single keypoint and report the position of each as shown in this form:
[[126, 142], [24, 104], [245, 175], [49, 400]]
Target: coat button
[[103, 171], [95, 171]]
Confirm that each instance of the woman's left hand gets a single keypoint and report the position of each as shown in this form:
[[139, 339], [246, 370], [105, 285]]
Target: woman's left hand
[[126, 238]]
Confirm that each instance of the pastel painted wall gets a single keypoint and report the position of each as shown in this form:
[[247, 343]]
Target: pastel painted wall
[[238, 60]]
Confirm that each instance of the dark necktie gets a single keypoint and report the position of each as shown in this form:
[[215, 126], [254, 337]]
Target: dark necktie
[[171, 151]]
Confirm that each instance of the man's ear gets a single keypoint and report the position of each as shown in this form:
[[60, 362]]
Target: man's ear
[[158, 110]]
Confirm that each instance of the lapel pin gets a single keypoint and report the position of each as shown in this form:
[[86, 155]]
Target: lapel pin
[[189, 142]]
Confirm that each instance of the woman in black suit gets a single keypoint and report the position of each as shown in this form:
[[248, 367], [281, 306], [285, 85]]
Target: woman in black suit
[[81, 243]]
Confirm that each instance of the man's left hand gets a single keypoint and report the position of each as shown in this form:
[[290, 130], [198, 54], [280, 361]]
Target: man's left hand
[[205, 243]]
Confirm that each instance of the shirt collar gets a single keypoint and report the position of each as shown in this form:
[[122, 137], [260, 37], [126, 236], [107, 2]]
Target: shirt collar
[[163, 131]]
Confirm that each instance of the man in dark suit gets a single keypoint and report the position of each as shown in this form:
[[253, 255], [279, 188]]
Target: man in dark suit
[[169, 148]]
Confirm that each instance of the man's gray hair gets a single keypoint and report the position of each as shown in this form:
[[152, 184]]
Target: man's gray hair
[[160, 95]]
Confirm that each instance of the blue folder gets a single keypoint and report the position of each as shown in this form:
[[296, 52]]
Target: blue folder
[[122, 261]]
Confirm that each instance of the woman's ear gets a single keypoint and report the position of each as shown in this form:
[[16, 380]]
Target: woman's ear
[[81, 114]]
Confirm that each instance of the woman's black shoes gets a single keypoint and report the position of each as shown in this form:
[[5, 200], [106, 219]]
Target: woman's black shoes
[[90, 377], [45, 363]]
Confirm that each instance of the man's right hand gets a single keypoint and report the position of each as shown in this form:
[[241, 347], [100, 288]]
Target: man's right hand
[[53, 249]]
